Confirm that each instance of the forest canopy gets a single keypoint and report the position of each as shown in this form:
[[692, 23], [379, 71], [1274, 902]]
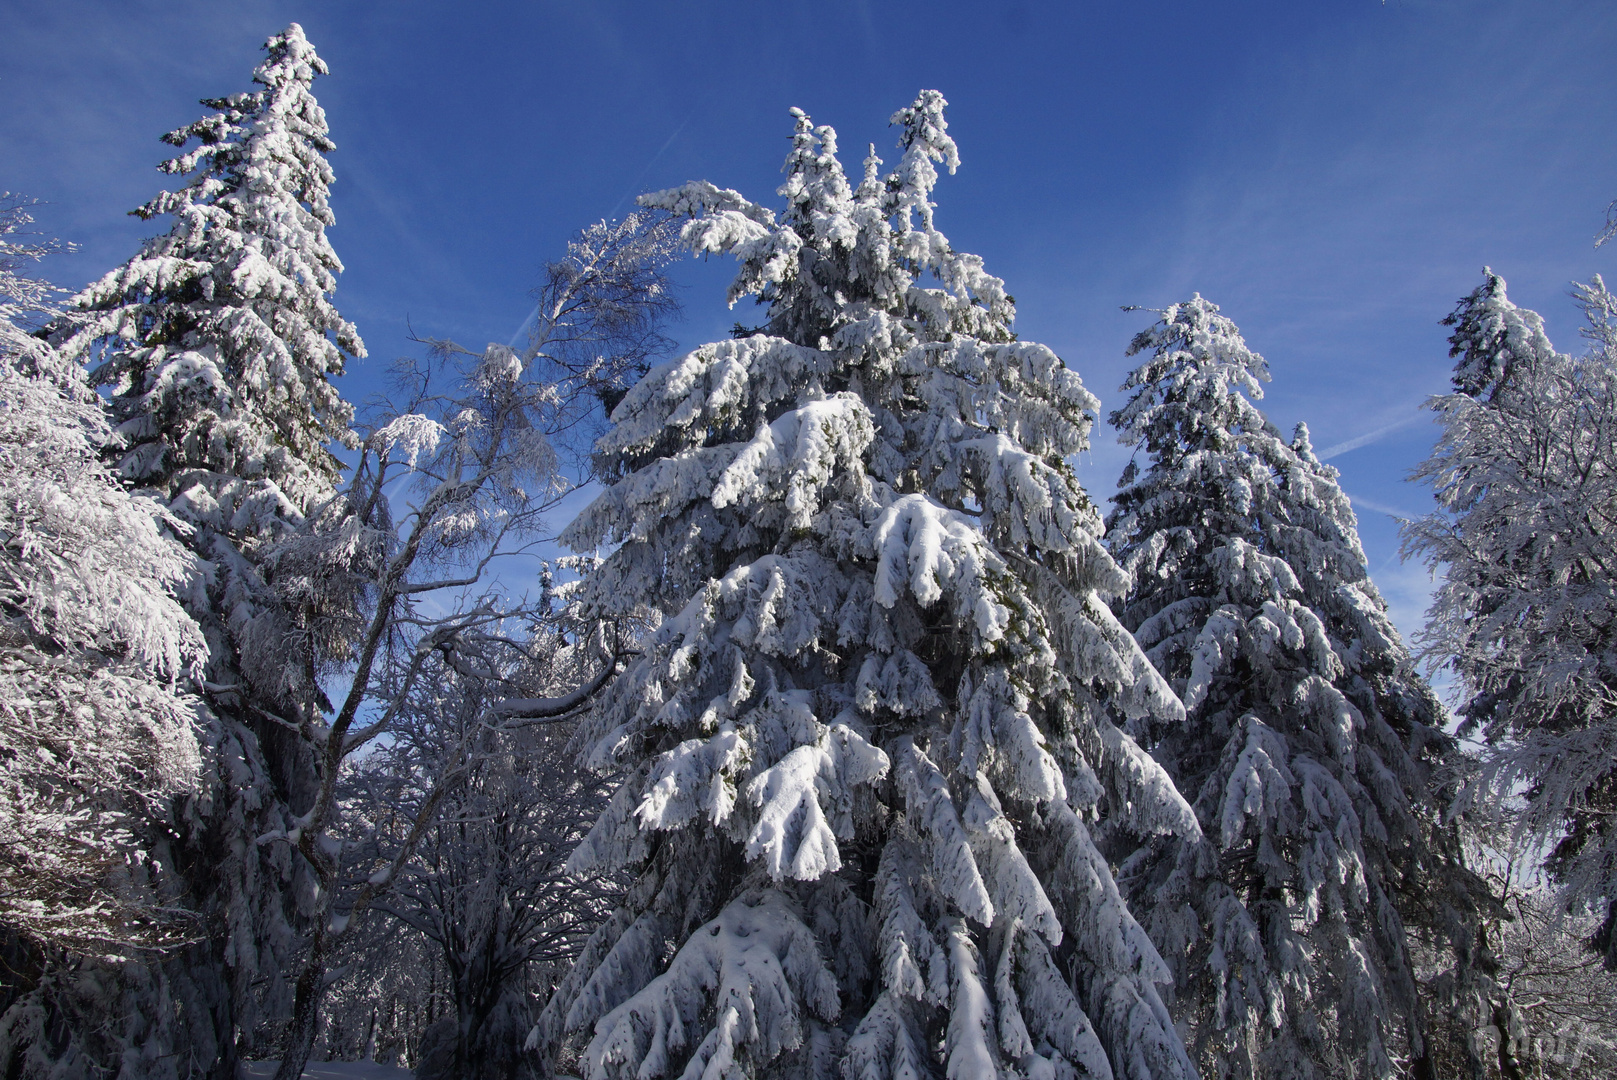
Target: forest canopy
[[788, 704]]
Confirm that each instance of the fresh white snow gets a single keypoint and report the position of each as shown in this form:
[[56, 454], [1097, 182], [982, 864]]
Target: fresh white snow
[[334, 1070]]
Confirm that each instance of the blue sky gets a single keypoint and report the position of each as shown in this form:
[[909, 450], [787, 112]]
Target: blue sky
[[1335, 173]]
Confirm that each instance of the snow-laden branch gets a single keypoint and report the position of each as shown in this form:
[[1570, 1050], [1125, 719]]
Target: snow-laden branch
[[552, 709]]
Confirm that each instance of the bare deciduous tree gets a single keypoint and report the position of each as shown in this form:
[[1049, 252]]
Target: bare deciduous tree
[[388, 597]]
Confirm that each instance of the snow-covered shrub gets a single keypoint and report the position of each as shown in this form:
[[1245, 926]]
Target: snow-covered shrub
[[95, 735]]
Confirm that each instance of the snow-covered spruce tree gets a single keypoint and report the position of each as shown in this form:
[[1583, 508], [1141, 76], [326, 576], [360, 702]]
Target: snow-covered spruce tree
[[218, 340], [216, 343], [1525, 472], [863, 752], [95, 736], [1309, 741]]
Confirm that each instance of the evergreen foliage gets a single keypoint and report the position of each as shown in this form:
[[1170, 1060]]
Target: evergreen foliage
[[218, 339], [216, 343], [874, 748], [886, 703], [1310, 741]]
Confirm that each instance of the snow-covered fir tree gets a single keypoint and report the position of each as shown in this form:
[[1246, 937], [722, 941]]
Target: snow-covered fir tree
[[1525, 473], [1309, 741], [864, 751], [96, 734], [216, 344], [219, 338]]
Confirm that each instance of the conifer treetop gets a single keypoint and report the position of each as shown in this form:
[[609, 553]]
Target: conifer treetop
[[219, 338], [1492, 337], [1197, 366]]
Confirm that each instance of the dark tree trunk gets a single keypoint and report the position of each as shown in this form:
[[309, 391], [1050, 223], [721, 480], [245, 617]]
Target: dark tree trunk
[[305, 1011], [1512, 1039]]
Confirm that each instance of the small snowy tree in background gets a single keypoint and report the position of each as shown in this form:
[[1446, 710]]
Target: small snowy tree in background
[[887, 702], [394, 989], [96, 736], [1526, 615], [482, 909], [216, 343], [487, 888], [1310, 740], [483, 920], [1565, 997]]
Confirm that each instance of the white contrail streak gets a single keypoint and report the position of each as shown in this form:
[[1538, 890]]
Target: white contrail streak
[[1367, 438], [1361, 503]]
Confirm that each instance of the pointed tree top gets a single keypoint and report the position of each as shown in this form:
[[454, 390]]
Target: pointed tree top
[[291, 58], [225, 323], [924, 141], [1197, 360], [1492, 336], [1194, 334], [815, 182], [1302, 443]]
